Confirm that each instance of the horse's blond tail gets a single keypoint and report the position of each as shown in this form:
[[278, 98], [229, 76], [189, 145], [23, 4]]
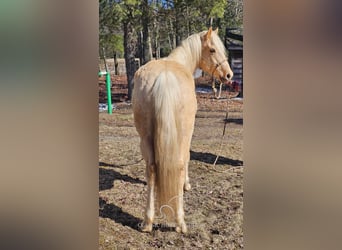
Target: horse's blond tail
[[167, 136]]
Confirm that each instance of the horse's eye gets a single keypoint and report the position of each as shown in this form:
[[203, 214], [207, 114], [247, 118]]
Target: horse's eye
[[212, 50]]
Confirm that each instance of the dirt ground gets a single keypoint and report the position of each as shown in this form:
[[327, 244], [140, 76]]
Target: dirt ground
[[214, 205]]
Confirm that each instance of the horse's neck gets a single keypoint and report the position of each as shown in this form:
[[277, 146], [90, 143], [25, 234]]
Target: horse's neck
[[185, 58]]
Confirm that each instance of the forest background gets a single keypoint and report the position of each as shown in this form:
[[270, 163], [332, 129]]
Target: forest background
[[147, 29]]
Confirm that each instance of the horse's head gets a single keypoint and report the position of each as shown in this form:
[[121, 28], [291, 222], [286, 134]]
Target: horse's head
[[214, 59]]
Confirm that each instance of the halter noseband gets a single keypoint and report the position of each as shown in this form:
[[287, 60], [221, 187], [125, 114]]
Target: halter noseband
[[217, 65]]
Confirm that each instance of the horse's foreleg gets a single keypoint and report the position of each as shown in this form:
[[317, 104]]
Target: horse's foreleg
[[186, 150], [181, 226], [187, 185]]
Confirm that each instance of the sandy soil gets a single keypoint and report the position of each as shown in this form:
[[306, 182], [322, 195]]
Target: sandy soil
[[214, 205]]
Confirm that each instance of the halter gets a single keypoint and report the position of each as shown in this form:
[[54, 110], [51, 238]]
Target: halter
[[213, 79], [217, 65]]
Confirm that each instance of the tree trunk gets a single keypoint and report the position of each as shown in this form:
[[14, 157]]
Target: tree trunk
[[178, 25], [150, 55], [130, 44], [140, 47], [188, 22], [157, 48], [172, 35], [156, 37], [146, 40], [116, 64], [178, 31]]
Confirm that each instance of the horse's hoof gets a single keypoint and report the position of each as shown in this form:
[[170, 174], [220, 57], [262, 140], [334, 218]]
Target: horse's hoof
[[187, 186], [147, 228], [181, 229]]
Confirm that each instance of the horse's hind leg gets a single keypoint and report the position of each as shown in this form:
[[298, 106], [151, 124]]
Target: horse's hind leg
[[184, 175], [149, 212], [147, 152]]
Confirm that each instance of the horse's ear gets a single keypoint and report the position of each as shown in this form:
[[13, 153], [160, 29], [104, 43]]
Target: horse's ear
[[208, 34], [216, 31]]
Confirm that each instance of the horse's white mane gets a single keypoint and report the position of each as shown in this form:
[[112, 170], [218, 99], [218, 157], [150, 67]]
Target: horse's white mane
[[189, 53]]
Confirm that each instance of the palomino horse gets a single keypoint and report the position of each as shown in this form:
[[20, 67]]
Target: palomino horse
[[164, 106]]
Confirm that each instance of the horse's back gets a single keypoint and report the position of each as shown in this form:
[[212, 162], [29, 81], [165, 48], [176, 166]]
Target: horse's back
[[146, 77]]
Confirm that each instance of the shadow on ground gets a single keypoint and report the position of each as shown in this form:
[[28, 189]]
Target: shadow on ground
[[210, 158], [238, 121], [108, 176], [116, 214]]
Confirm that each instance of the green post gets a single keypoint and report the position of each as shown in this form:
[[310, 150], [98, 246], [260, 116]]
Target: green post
[[108, 87], [109, 94]]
